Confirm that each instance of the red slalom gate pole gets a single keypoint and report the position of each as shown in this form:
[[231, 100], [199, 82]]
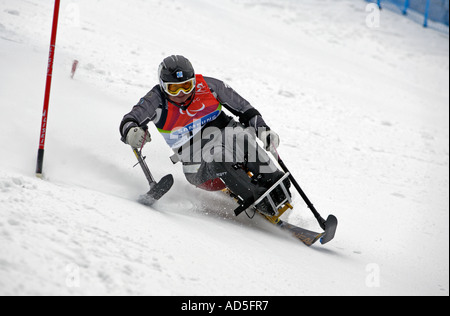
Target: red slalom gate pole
[[40, 157]]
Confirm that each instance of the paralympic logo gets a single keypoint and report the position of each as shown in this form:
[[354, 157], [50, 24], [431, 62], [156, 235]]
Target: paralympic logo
[[192, 114]]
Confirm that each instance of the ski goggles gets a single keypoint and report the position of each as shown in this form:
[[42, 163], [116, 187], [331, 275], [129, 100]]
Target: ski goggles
[[175, 88]]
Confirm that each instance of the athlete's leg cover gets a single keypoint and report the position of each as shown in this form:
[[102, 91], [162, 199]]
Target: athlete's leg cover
[[221, 153]]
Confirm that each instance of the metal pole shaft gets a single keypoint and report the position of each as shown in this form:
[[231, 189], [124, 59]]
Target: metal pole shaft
[[142, 163]]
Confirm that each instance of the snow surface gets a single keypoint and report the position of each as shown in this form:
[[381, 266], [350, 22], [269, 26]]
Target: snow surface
[[363, 115]]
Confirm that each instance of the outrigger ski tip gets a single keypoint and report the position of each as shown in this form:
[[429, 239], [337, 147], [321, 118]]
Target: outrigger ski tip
[[157, 191], [330, 229]]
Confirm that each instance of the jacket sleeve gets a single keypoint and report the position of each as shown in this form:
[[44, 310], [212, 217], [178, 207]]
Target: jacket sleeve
[[237, 105], [142, 113]]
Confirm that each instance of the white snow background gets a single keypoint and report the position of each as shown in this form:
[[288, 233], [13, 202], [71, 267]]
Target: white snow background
[[363, 116]]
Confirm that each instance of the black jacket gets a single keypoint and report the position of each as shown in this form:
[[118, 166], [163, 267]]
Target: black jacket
[[150, 107]]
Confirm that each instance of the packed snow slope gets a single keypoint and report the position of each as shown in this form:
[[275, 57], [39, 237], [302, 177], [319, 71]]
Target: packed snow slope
[[363, 117]]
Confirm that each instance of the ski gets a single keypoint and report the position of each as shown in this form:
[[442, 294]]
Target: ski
[[308, 237]]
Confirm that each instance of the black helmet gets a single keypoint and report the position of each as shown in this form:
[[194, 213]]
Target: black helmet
[[175, 69]]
